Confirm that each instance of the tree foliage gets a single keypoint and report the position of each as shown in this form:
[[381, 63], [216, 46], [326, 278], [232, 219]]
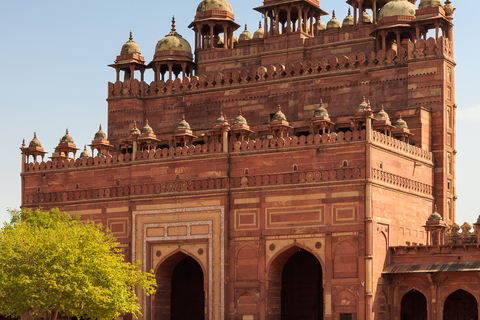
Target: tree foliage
[[51, 264]]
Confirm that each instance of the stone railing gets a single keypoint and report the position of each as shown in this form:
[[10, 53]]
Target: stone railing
[[397, 145], [401, 182]]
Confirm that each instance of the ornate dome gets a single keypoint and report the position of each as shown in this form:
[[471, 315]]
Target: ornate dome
[[220, 5], [100, 135], [429, 4], [147, 129], [173, 41], [134, 130], [320, 25], [279, 116], [348, 21], [397, 8], [183, 125], [382, 115], [367, 18], [235, 38], [321, 111], [220, 120], [400, 123], [35, 142], [259, 33], [245, 35], [362, 106], [333, 23], [240, 119], [67, 138], [130, 47], [85, 153], [435, 216]]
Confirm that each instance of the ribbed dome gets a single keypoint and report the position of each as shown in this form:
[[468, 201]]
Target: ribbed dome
[[320, 25], [321, 111], [67, 138], [100, 135], [147, 129], [397, 8], [35, 142], [348, 21], [130, 47], [435, 217], [183, 125], [245, 35], [173, 41], [367, 18], [85, 153], [279, 116], [429, 4], [400, 123], [240, 119], [259, 33], [362, 106], [220, 5], [220, 120], [134, 130], [382, 116], [333, 23]]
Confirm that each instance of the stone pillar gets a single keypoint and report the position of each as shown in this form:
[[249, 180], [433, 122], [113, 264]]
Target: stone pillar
[[360, 12], [289, 20]]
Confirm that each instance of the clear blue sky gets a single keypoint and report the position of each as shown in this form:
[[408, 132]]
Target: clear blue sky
[[54, 74]]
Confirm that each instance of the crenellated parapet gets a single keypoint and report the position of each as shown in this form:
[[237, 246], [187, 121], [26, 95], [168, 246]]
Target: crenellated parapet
[[421, 49]]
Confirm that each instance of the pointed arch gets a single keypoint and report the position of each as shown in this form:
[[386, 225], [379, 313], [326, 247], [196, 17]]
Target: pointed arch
[[247, 263], [460, 303], [414, 305]]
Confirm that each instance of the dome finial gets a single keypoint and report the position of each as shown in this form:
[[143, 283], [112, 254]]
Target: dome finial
[[333, 14], [245, 27], [321, 102], [34, 135], [131, 35], [23, 143], [259, 24], [173, 23], [66, 131], [349, 12], [100, 127]]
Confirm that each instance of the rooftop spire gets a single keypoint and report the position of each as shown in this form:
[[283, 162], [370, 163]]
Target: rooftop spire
[[131, 35], [173, 23]]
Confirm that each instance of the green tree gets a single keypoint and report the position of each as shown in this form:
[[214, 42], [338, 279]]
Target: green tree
[[52, 264]]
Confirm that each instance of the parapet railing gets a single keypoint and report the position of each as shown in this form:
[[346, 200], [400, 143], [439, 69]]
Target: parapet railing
[[397, 145]]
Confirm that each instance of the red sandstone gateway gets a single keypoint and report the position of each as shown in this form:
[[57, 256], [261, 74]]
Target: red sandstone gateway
[[306, 171]]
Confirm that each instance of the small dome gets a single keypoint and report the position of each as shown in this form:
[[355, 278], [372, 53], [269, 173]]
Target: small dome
[[219, 40], [85, 153], [279, 116], [100, 135], [259, 33], [333, 23], [382, 116], [240, 119], [348, 21], [397, 8], [320, 25], [435, 216], [430, 4], [67, 138], [219, 5], [183, 125], [235, 38], [245, 35], [367, 18], [362, 106], [400, 123], [130, 47], [220, 120], [173, 41], [147, 129], [321, 111], [134, 130], [35, 142]]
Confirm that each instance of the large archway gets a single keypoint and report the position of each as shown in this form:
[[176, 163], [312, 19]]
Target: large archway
[[295, 286], [180, 289], [460, 305], [414, 306]]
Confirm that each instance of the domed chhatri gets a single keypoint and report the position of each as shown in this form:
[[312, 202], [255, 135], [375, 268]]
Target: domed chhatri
[[130, 47], [333, 23], [435, 216], [85, 153], [183, 125], [362, 106], [321, 111], [382, 115], [240, 119], [259, 33], [430, 4], [218, 5], [67, 138], [173, 42], [245, 35], [35, 142], [147, 129], [397, 8], [348, 21], [220, 120], [100, 135], [134, 130], [279, 116], [400, 123], [320, 25]]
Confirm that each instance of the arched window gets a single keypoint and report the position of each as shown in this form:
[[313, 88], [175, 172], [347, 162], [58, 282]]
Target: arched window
[[414, 306]]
